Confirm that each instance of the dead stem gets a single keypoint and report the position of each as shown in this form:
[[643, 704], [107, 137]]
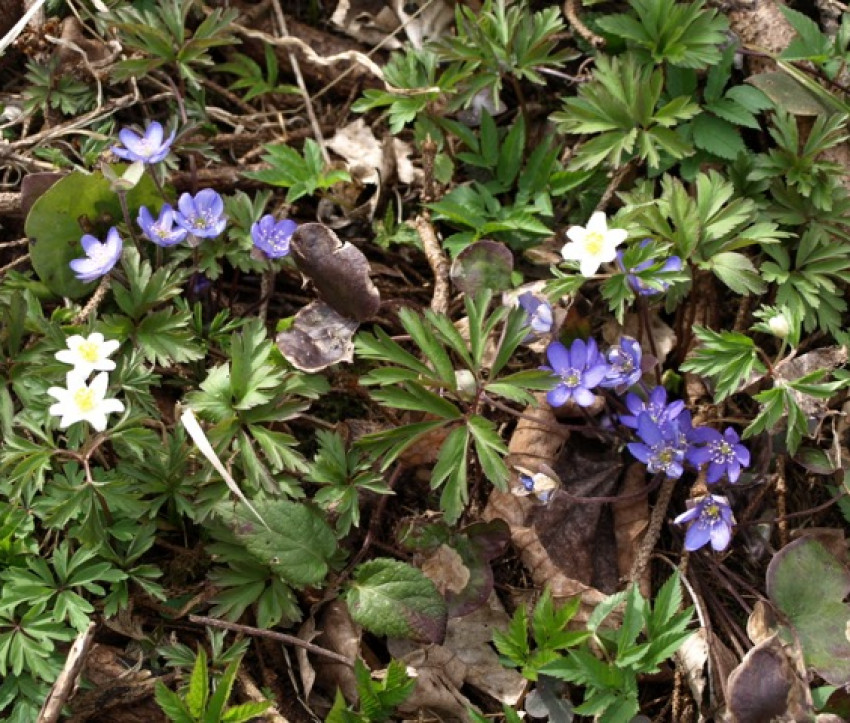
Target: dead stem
[[437, 261], [299, 80], [571, 12], [272, 635]]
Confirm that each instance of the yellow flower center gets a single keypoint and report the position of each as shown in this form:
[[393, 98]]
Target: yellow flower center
[[711, 512], [593, 242], [84, 399], [89, 351]]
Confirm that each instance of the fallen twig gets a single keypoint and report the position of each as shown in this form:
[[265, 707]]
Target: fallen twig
[[271, 634]]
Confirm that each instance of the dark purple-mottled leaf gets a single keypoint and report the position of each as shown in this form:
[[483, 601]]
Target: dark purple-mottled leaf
[[477, 546], [339, 271], [816, 612], [483, 265], [34, 185], [318, 338], [388, 597]]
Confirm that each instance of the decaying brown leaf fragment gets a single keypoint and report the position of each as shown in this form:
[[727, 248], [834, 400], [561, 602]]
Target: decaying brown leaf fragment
[[339, 271]]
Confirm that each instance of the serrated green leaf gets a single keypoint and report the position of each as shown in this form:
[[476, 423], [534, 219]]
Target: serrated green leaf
[[298, 544], [388, 597]]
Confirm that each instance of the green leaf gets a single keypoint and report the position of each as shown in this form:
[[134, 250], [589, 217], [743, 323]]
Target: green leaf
[[298, 544], [728, 357], [450, 473], [738, 273], [172, 705], [56, 221], [199, 685], [816, 613], [388, 597], [717, 136]]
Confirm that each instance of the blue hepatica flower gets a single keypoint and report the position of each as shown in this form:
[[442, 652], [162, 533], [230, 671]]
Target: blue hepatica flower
[[99, 258], [664, 445], [162, 230], [579, 369], [152, 147], [657, 407], [674, 263], [723, 453], [539, 312], [624, 361], [272, 237], [711, 520], [202, 215]]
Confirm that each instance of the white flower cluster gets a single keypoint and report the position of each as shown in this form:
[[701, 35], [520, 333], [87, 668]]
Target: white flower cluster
[[81, 401]]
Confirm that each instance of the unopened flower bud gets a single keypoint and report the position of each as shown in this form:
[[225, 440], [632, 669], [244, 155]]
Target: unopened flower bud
[[779, 325], [466, 384]]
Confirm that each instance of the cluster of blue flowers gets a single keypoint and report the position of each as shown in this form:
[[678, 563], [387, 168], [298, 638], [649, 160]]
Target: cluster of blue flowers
[[666, 439], [197, 217]]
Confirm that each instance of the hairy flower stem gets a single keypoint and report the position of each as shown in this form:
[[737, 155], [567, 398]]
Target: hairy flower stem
[[94, 301], [653, 532], [125, 211], [643, 311]]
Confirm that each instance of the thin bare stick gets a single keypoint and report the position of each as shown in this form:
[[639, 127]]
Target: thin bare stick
[[302, 86], [12, 264], [64, 685], [272, 635]]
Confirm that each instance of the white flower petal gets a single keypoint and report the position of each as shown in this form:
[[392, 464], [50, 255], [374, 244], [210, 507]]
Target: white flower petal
[[572, 252], [598, 223], [588, 266], [616, 236], [576, 233]]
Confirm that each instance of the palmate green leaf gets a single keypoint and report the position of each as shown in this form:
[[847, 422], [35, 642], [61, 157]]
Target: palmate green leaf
[[729, 358], [682, 34], [389, 597], [165, 337]]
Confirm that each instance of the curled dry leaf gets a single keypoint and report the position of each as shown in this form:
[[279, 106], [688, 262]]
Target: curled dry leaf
[[339, 271], [339, 633], [439, 674], [770, 685], [470, 637], [318, 338], [532, 444]]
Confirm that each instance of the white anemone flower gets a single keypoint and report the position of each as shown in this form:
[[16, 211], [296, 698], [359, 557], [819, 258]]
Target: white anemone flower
[[89, 354], [81, 402], [594, 244]]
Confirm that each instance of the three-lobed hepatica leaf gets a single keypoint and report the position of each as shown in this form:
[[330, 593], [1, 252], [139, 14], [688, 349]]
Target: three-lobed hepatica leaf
[[54, 224], [816, 612], [297, 545], [388, 597]]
